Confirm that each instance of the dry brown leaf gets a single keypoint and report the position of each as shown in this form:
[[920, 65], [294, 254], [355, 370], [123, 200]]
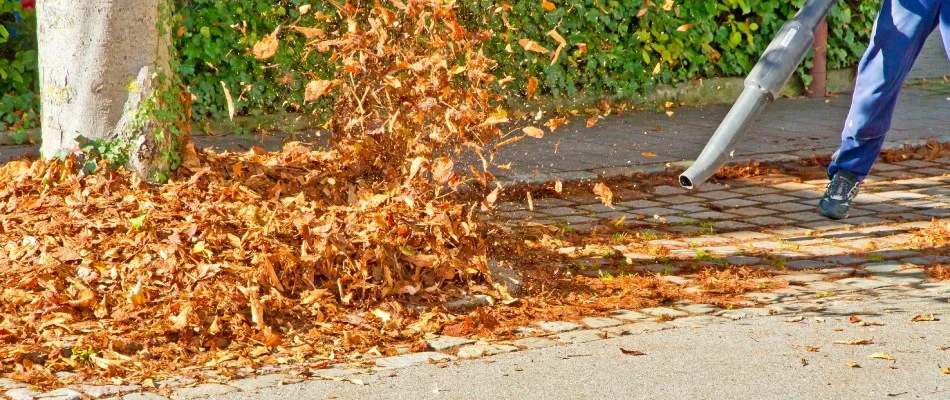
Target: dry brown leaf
[[382, 315], [488, 202], [853, 365], [881, 356], [604, 193], [137, 295], [641, 13], [561, 44], [180, 321], [632, 352], [532, 46], [945, 371], [304, 9], [547, 5], [592, 121], [555, 123], [230, 102], [855, 342], [649, 154], [257, 312], [924, 318], [684, 27], [266, 47], [310, 33], [532, 86], [813, 349], [854, 319], [494, 120], [316, 89], [533, 132], [442, 170]]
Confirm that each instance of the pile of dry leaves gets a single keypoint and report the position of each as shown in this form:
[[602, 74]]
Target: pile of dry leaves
[[253, 258]]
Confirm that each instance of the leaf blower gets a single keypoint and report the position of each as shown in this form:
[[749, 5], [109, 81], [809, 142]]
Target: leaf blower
[[763, 84]]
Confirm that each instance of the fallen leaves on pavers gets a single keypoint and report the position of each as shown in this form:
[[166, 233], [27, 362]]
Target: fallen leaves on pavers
[[935, 236], [855, 341], [945, 371], [632, 352], [924, 318], [939, 271], [882, 356], [857, 321], [738, 280], [929, 152]]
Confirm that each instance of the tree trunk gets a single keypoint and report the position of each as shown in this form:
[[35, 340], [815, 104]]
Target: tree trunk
[[104, 73]]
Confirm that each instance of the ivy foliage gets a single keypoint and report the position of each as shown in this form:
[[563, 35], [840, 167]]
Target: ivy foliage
[[616, 48], [215, 39], [622, 48], [19, 102]]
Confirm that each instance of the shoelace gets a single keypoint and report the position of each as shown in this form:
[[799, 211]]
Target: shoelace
[[837, 187]]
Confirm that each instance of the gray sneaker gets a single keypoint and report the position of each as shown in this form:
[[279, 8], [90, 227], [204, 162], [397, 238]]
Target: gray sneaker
[[836, 202]]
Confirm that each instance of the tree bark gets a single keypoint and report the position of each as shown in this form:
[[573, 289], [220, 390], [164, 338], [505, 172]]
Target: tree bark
[[103, 69]]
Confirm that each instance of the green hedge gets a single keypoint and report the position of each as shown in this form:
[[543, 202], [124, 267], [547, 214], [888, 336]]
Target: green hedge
[[626, 42], [19, 104]]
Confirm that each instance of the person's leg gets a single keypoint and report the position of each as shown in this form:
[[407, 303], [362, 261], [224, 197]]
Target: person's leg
[[945, 26], [899, 33]]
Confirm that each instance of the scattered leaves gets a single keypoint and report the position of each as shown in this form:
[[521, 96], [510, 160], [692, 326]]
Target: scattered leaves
[[855, 342], [881, 356], [924, 318], [632, 352]]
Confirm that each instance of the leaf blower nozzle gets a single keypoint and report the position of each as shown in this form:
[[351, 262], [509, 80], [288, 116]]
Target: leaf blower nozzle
[[768, 77]]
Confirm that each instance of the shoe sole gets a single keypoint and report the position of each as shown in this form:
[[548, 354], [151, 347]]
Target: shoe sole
[[834, 217]]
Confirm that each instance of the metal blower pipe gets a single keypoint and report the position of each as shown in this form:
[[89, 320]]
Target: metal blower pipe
[[768, 77]]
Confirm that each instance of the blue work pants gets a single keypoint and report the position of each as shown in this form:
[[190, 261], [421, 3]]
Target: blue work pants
[[899, 33]]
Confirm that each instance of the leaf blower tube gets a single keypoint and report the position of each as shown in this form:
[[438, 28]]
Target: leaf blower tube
[[764, 83]]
